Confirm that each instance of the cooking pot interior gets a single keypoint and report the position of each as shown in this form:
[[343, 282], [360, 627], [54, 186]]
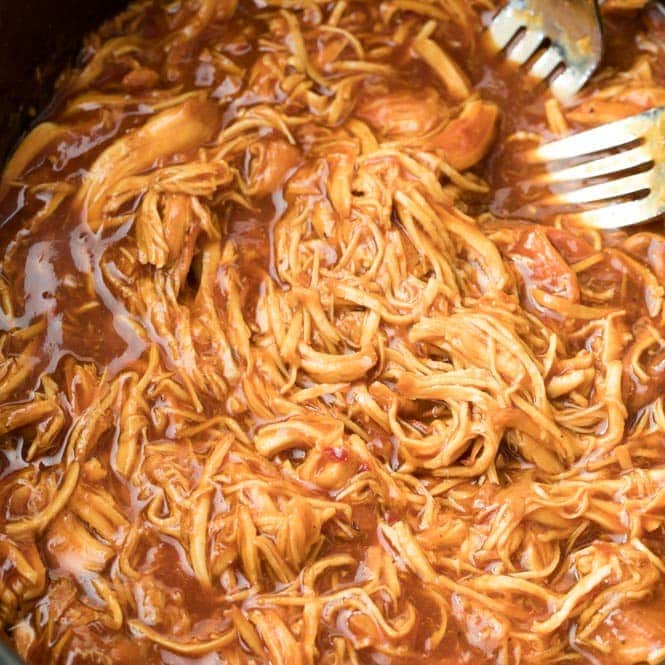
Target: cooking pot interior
[[38, 39]]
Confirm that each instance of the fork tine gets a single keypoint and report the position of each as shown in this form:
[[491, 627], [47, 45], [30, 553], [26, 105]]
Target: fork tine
[[620, 215], [547, 63], [598, 167], [526, 47], [569, 82], [612, 135], [504, 27], [607, 190]]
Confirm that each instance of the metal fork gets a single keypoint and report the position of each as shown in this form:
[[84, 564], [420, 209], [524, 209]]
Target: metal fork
[[574, 32], [640, 142]]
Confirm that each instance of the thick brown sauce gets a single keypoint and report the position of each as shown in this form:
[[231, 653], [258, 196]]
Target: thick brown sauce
[[57, 276]]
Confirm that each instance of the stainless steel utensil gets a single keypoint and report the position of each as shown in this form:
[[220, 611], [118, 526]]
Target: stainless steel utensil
[[556, 34], [628, 153]]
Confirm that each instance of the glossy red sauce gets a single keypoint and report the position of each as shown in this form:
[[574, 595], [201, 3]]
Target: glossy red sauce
[[56, 277]]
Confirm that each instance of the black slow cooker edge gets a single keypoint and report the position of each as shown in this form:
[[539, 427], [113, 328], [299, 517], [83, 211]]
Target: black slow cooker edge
[[38, 40]]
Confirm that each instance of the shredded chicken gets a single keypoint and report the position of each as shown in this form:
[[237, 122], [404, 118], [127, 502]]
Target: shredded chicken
[[277, 386]]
